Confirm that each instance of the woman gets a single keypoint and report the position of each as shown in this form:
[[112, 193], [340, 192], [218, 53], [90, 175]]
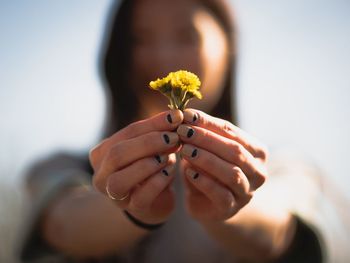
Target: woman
[[140, 203]]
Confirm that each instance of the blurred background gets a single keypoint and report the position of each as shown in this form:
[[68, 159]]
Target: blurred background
[[293, 88]]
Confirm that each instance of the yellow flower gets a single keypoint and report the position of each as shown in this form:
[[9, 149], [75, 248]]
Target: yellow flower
[[163, 85], [180, 87]]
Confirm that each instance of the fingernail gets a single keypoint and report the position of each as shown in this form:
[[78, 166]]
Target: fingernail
[[170, 138], [169, 119], [195, 117], [189, 151], [166, 172], [160, 158], [194, 153], [190, 132], [190, 117], [185, 131], [191, 173], [174, 117], [166, 138]]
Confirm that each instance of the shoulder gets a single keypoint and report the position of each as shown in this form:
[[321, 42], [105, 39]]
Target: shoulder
[[45, 180], [55, 167], [60, 160]]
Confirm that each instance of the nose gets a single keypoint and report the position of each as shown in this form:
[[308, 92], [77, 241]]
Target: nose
[[168, 58]]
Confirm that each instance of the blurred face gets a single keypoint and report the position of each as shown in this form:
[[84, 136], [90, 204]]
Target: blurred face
[[170, 35]]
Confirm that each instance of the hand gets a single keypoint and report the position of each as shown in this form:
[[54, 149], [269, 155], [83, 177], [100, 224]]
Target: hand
[[222, 166], [138, 160]]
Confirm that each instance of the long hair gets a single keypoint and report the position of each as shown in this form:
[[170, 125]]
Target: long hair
[[114, 65]]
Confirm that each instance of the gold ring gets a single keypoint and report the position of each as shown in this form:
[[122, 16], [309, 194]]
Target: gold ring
[[114, 198]]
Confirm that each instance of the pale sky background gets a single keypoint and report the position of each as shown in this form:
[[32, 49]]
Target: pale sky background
[[293, 79]]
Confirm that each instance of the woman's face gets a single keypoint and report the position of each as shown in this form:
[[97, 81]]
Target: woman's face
[[170, 35]]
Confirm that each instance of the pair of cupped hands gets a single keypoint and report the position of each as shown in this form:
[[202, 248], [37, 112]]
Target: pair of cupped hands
[[221, 166]]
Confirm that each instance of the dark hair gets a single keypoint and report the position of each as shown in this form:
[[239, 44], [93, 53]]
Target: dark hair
[[114, 63]]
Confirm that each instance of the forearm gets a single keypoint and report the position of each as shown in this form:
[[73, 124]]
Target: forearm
[[253, 234], [84, 224]]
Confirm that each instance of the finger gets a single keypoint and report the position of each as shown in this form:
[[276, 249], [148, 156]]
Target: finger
[[120, 183], [225, 148], [143, 197], [189, 187], [221, 198], [129, 151], [226, 129], [231, 176], [164, 121]]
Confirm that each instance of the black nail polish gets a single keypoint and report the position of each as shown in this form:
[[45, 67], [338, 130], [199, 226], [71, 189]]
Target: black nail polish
[[196, 176], [165, 172], [168, 117], [158, 158], [194, 117], [194, 153], [190, 132], [166, 138]]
